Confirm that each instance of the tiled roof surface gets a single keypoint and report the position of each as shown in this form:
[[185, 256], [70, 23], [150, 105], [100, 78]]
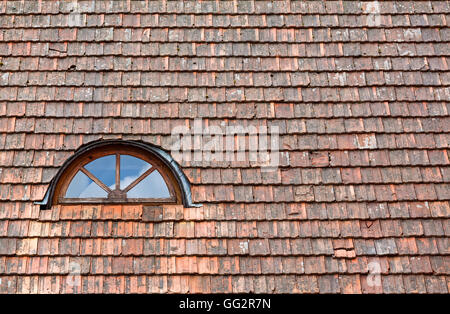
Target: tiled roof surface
[[360, 203]]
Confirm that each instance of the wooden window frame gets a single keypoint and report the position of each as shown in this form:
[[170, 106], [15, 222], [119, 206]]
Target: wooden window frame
[[117, 196]]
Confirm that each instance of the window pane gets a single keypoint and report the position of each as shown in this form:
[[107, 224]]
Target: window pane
[[83, 187], [104, 169], [131, 168], [153, 186]]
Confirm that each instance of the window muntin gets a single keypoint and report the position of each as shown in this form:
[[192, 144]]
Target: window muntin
[[103, 169], [143, 190], [131, 168], [124, 176], [83, 187]]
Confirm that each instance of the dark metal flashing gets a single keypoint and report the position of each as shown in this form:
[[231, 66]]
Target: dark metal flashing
[[159, 153]]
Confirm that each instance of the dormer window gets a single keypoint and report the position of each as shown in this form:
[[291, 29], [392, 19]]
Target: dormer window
[[119, 172], [119, 177]]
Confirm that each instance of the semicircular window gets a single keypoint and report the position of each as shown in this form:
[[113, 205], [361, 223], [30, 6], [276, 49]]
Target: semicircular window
[[118, 177]]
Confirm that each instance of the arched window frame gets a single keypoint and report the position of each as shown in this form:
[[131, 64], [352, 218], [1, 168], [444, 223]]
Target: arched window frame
[[176, 181]]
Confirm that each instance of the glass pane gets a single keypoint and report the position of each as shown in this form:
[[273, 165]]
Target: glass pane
[[104, 168], [153, 186], [83, 187], [131, 168]]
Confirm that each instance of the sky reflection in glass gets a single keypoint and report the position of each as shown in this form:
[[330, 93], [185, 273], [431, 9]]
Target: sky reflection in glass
[[153, 186], [83, 187], [104, 169], [131, 168]]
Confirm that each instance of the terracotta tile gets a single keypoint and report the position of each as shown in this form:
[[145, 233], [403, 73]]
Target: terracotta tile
[[238, 247], [439, 209], [241, 284], [426, 246], [23, 285], [435, 284], [132, 246], [425, 192], [89, 212], [199, 284], [67, 212], [111, 212], [392, 284], [328, 284], [259, 247], [221, 284], [178, 284], [414, 284], [285, 284], [173, 212], [92, 284], [314, 265], [26, 246], [246, 229], [296, 211], [307, 284], [357, 265], [122, 265], [406, 245], [292, 265]]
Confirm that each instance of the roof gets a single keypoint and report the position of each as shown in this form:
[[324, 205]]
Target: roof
[[359, 93]]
